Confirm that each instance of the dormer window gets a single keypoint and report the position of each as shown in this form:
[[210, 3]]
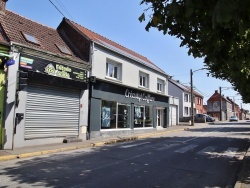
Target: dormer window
[[30, 38], [63, 49]]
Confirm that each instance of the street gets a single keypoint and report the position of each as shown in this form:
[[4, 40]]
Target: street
[[209, 156]]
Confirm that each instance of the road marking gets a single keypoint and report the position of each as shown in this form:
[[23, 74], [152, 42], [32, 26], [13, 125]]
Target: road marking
[[201, 135], [187, 148], [118, 162], [206, 151], [166, 146], [134, 145]]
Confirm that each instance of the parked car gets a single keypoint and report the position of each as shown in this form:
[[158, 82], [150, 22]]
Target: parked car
[[209, 118], [202, 117], [233, 118]]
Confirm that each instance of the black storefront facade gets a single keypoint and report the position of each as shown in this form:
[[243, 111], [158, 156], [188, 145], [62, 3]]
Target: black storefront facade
[[117, 109]]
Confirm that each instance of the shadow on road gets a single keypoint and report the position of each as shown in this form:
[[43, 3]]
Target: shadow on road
[[103, 168]]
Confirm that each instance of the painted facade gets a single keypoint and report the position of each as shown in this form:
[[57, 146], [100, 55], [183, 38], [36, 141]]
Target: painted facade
[[130, 93]]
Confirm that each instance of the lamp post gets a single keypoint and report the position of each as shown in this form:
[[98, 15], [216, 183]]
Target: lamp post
[[192, 99]]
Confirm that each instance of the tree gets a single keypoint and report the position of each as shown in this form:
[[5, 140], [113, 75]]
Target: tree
[[216, 30]]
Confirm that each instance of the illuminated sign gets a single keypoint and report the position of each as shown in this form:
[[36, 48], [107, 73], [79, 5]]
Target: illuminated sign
[[52, 68]]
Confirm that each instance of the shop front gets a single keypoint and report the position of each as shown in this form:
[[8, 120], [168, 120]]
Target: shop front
[[51, 102], [117, 109]]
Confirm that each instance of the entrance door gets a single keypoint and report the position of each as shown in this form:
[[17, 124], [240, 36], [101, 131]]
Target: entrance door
[[123, 116], [160, 118]]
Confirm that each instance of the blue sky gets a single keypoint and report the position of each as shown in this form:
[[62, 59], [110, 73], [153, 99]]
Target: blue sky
[[117, 20]]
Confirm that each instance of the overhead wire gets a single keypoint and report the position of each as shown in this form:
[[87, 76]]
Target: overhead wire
[[57, 8], [65, 9]]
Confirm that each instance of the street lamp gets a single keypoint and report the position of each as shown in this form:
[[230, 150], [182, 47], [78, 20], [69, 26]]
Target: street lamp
[[192, 100]]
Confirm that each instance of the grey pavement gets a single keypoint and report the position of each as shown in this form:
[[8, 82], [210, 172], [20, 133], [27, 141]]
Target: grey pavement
[[243, 180]]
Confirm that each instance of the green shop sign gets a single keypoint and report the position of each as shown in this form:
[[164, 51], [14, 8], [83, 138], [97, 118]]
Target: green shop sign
[[52, 68]]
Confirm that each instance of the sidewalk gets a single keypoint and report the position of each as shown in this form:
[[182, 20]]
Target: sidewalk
[[55, 148], [243, 180]]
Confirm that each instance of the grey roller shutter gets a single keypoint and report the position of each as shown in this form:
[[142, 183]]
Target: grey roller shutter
[[51, 112]]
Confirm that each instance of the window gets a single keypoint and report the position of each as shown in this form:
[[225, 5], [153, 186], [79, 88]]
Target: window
[[143, 116], [143, 80], [186, 97], [63, 49], [30, 38], [108, 117], [113, 70], [115, 115], [160, 85], [186, 111]]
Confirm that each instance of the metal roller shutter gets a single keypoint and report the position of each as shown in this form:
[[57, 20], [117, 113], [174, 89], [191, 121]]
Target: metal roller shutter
[[51, 112]]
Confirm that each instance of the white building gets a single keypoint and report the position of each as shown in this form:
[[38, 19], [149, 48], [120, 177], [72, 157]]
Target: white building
[[130, 93]]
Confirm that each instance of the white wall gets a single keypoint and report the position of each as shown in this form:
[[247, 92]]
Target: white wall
[[130, 70]]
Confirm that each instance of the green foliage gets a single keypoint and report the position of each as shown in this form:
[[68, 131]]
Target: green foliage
[[216, 30]]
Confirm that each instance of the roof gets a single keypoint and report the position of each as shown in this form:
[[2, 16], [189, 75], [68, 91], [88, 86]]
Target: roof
[[217, 97], [103, 41], [14, 26], [185, 88]]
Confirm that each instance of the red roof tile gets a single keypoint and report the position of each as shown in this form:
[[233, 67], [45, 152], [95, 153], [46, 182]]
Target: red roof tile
[[13, 25]]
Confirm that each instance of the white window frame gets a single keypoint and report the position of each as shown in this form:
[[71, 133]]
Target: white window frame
[[113, 70], [143, 80], [186, 111], [186, 97], [160, 86]]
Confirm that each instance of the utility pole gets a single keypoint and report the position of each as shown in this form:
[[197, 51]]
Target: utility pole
[[220, 105], [192, 102]]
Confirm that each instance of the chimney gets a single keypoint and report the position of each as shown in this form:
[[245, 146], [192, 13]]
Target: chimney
[[216, 91], [2, 6]]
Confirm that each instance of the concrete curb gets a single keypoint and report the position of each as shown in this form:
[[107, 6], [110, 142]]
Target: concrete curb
[[97, 144]]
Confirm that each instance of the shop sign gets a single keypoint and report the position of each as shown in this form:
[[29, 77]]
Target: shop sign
[[139, 96], [52, 68]]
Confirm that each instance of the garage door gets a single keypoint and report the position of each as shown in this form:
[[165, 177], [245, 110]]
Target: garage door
[[51, 112], [173, 115]]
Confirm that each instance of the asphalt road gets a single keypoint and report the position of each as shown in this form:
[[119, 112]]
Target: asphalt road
[[204, 157]]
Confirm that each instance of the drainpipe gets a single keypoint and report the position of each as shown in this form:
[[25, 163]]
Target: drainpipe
[[91, 56]]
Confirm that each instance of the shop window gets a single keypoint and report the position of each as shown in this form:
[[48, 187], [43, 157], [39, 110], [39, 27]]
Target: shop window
[[143, 80], [148, 116], [143, 116], [115, 115], [108, 116], [113, 70], [138, 116]]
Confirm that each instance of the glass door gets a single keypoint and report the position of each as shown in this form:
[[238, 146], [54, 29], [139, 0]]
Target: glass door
[[160, 118], [123, 116]]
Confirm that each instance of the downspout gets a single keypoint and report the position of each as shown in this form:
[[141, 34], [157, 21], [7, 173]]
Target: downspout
[[15, 120], [91, 57]]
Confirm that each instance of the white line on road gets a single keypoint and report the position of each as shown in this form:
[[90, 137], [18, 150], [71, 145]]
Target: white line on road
[[118, 162], [134, 145], [166, 146], [187, 148], [200, 136]]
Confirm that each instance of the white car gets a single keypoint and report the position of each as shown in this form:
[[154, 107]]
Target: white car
[[233, 118]]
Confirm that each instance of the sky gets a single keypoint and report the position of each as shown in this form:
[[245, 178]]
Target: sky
[[118, 21]]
